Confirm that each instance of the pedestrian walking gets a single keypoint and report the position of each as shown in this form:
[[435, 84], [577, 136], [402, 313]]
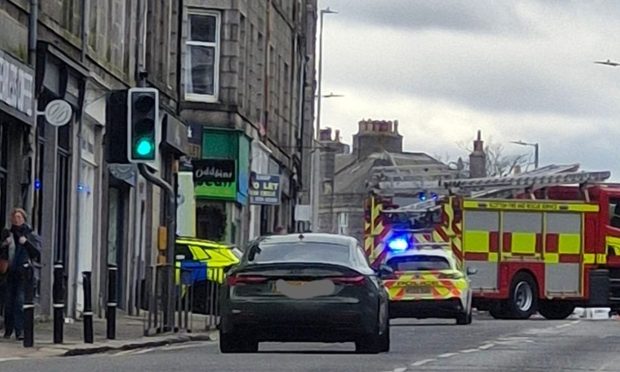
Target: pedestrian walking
[[23, 247]]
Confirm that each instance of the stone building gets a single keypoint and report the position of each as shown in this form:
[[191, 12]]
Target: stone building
[[237, 77], [248, 96]]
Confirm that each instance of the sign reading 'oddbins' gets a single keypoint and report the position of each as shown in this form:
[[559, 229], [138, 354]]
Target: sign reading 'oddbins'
[[215, 178]]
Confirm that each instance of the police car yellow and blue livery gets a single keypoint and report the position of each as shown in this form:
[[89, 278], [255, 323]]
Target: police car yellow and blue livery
[[203, 260], [428, 282]]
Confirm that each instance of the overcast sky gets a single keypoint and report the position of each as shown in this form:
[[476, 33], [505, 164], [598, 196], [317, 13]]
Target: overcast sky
[[517, 70]]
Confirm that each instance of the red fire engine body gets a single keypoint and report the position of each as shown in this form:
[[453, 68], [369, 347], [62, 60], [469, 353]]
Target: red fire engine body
[[548, 249]]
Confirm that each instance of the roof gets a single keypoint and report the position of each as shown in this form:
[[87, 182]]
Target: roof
[[353, 173], [310, 237]]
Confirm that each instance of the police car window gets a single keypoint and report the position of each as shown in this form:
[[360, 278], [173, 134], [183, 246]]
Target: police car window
[[182, 249], [419, 263], [300, 252]]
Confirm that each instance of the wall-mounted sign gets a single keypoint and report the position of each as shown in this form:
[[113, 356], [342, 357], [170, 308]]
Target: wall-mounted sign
[[215, 178], [264, 189], [16, 85], [58, 112]]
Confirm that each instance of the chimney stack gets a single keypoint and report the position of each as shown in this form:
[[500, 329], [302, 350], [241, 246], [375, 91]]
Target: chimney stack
[[478, 159]]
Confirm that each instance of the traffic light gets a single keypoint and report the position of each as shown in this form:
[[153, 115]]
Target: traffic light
[[143, 127]]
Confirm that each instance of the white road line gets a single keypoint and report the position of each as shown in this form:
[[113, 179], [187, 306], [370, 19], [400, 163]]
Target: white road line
[[402, 369], [447, 355], [422, 362], [486, 346], [467, 351], [563, 325], [10, 359]]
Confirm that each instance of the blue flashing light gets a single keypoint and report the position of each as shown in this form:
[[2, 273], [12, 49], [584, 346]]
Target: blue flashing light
[[398, 244], [434, 196], [422, 196], [37, 184]]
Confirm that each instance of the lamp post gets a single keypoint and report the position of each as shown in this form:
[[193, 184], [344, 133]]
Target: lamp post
[[535, 145], [318, 105]]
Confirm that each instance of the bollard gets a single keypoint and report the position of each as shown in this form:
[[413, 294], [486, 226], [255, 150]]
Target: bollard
[[111, 311], [88, 308], [29, 307], [59, 305]]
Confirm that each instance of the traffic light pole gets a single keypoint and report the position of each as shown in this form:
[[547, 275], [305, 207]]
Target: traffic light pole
[[171, 229]]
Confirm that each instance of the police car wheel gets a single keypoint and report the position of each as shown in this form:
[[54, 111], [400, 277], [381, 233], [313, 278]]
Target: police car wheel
[[523, 300], [463, 319]]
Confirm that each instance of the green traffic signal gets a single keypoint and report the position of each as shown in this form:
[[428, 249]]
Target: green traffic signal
[[144, 147]]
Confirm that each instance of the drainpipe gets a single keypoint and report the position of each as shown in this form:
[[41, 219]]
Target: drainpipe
[[32, 60], [32, 32], [76, 262]]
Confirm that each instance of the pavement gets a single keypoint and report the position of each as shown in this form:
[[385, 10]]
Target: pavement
[[417, 345], [129, 336]]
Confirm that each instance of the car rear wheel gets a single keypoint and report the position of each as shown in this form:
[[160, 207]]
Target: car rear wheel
[[369, 344], [555, 310], [234, 343], [385, 339]]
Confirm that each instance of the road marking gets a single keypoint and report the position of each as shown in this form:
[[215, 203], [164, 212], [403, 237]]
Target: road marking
[[563, 325], [486, 346], [447, 355], [10, 359], [467, 351], [402, 369], [422, 362]]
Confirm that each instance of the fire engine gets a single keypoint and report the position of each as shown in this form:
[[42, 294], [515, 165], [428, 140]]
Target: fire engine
[[546, 241]]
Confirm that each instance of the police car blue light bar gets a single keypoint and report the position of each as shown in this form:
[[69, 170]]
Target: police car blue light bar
[[398, 244]]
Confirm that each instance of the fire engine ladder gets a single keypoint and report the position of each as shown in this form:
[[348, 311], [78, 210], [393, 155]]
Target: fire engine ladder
[[484, 187]]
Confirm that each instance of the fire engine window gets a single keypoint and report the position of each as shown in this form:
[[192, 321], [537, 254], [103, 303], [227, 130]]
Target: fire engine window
[[563, 223], [614, 212], [481, 220], [419, 263], [522, 222]]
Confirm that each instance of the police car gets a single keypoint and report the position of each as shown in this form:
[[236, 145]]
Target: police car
[[428, 282]]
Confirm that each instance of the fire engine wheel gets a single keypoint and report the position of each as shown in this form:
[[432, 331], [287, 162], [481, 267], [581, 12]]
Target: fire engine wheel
[[555, 310], [522, 302]]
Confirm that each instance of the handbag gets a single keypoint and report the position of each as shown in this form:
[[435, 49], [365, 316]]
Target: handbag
[[4, 265]]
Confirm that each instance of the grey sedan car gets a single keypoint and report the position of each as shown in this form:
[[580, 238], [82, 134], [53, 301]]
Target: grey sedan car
[[304, 288]]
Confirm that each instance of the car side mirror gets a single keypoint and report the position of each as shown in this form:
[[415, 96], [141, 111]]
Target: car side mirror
[[385, 271], [472, 271]]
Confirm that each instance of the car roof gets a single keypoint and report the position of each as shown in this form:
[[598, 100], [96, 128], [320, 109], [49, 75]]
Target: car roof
[[309, 237], [198, 241]]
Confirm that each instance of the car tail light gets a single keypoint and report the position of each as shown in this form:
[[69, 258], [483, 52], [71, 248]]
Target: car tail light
[[245, 279], [348, 280]]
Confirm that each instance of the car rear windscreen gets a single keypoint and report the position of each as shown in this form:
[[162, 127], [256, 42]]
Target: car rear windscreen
[[301, 252], [419, 263]]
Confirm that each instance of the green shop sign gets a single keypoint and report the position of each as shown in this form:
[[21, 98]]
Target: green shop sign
[[215, 178]]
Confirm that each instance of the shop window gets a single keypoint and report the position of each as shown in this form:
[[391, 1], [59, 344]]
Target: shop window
[[211, 220], [202, 57]]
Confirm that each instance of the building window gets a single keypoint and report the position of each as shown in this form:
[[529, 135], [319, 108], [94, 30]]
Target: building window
[[202, 57], [343, 223]]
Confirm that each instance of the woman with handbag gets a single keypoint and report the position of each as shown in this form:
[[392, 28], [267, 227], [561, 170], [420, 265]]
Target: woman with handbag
[[23, 247]]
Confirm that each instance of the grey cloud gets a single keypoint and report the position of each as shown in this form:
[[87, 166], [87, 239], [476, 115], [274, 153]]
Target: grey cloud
[[469, 16]]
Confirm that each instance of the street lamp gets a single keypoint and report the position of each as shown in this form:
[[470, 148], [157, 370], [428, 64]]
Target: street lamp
[[318, 105], [535, 145]]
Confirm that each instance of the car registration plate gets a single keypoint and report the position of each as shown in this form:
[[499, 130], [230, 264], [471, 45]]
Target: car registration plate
[[418, 289]]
